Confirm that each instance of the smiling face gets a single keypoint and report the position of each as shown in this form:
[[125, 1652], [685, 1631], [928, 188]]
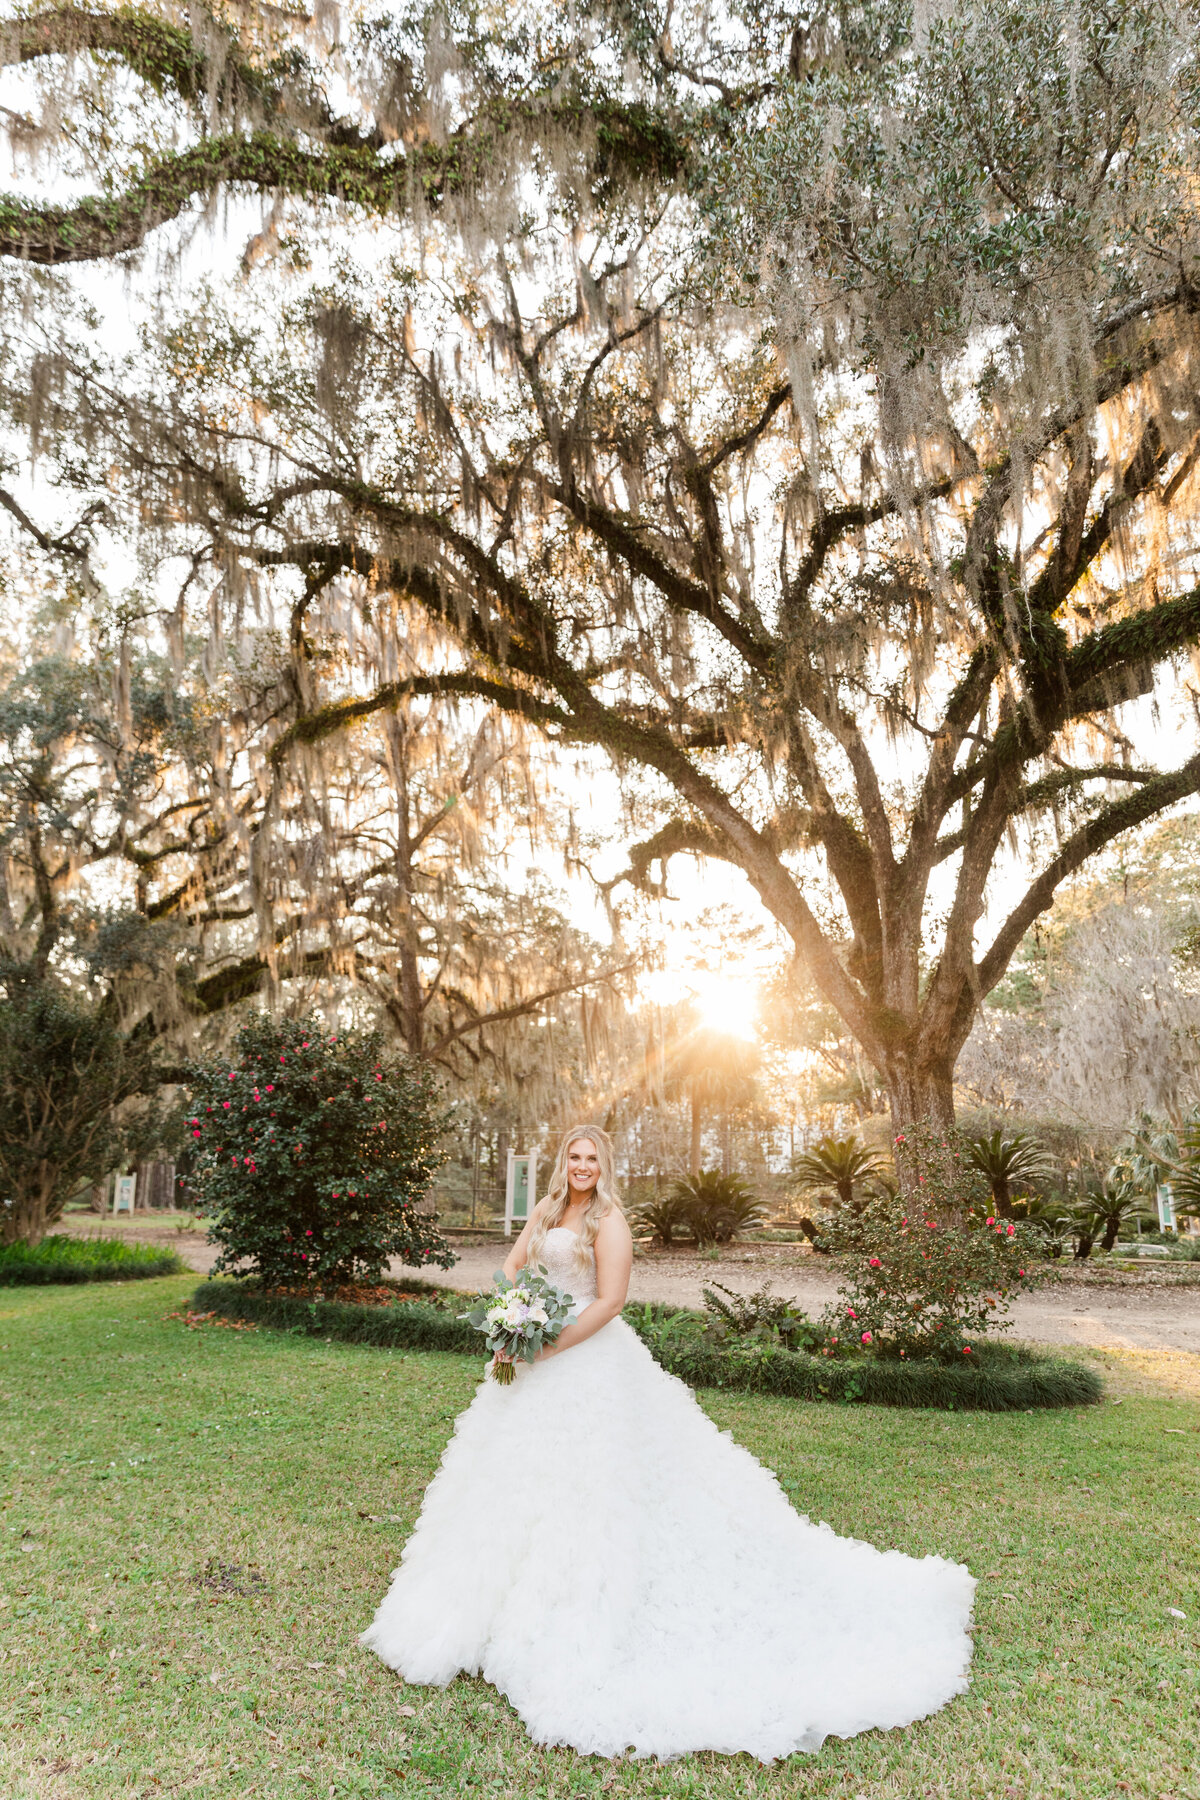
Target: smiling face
[[583, 1169]]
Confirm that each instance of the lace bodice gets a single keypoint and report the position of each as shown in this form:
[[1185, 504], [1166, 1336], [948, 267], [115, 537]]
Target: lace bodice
[[564, 1268]]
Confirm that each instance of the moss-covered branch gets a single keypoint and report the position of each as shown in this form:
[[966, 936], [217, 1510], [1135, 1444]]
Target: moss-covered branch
[[295, 146]]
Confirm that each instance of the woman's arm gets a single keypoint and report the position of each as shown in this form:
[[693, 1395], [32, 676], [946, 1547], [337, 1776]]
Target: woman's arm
[[614, 1264], [514, 1262]]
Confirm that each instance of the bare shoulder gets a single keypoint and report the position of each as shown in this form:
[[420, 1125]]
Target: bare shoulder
[[614, 1228]]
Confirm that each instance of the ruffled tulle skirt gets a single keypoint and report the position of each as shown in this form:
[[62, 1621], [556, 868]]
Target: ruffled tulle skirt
[[634, 1581]]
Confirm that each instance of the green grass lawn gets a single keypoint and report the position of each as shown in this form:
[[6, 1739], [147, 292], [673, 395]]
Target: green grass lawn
[[143, 1461]]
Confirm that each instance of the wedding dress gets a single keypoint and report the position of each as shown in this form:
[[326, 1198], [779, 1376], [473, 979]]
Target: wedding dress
[[632, 1579]]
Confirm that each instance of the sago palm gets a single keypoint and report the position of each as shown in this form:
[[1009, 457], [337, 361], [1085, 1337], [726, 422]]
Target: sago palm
[[836, 1168], [1007, 1160]]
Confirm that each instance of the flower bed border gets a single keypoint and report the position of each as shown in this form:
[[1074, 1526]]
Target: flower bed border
[[1016, 1383], [30, 1270]]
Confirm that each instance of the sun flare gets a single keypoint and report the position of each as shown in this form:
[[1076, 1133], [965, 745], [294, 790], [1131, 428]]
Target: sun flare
[[726, 1003]]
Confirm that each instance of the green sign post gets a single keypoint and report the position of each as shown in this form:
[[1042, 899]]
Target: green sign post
[[520, 1190]]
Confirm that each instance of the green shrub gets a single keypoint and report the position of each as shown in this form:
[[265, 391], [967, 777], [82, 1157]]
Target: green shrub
[[838, 1172], [990, 1384], [407, 1325], [1003, 1378], [714, 1207], [928, 1274], [662, 1218], [312, 1154], [762, 1317], [62, 1259]]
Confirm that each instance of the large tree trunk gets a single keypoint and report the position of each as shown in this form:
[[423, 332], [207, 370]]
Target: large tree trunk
[[26, 1220], [697, 1121], [922, 1095]]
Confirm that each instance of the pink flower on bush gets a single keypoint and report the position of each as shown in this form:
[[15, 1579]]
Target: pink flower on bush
[[966, 1349], [991, 1221], [270, 1087], [850, 1313], [866, 1337], [232, 1075], [308, 1234], [873, 1262], [195, 1134], [1010, 1229], [226, 1104]]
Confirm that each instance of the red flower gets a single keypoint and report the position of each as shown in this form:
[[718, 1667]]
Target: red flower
[[866, 1337], [195, 1134], [991, 1221], [966, 1349], [850, 1313], [873, 1262], [226, 1104]]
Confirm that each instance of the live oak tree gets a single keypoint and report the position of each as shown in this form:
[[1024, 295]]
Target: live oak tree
[[145, 846], [800, 410]]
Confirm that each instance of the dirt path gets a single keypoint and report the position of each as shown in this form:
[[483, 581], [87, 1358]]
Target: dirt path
[[1155, 1310]]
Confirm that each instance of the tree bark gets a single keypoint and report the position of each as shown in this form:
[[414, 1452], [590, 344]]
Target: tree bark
[[32, 1211], [920, 1095]]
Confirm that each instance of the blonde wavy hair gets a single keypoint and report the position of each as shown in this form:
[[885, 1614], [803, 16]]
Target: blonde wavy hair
[[557, 1197]]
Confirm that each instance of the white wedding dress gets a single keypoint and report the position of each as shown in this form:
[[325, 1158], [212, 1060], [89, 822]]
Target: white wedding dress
[[633, 1580]]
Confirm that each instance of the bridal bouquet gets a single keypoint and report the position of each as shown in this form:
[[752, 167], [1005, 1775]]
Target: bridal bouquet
[[519, 1317]]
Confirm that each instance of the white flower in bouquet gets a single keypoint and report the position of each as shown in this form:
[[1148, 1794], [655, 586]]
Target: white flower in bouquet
[[519, 1318]]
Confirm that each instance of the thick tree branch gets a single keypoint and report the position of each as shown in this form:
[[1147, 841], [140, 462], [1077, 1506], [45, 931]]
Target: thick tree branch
[[1153, 797], [357, 174]]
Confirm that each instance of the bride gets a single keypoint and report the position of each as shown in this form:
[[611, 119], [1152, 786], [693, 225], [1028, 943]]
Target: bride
[[628, 1575]]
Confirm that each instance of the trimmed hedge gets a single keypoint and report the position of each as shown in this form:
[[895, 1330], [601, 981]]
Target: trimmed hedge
[[409, 1325], [992, 1384], [1003, 1379], [63, 1260]]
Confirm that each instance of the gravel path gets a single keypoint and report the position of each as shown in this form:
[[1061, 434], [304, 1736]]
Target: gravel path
[[1148, 1312], [1155, 1310]]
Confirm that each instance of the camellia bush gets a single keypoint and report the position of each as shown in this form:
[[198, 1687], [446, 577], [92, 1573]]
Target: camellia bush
[[932, 1269], [312, 1153]]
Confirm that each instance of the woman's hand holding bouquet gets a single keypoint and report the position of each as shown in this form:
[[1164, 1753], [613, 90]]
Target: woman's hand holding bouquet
[[519, 1318]]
